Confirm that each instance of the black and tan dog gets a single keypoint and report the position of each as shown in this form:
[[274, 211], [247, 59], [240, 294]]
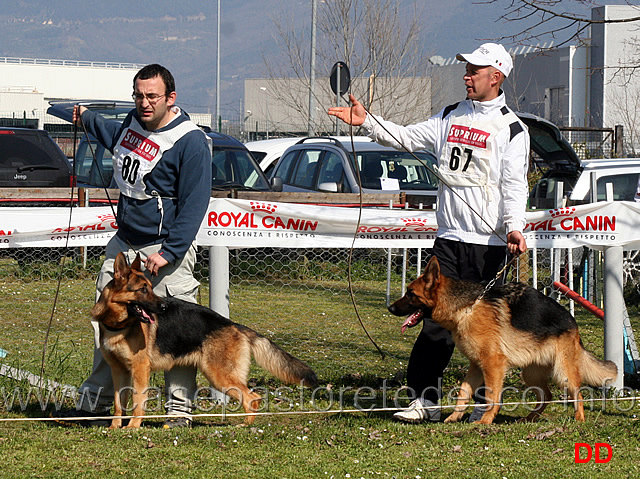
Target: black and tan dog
[[511, 326], [141, 332]]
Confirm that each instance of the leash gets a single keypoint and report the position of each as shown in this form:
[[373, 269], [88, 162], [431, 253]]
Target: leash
[[492, 283], [66, 246], [350, 257], [61, 269], [94, 160], [442, 181]]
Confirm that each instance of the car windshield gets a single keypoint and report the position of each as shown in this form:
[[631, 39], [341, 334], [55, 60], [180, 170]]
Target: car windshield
[[234, 168], [393, 170]]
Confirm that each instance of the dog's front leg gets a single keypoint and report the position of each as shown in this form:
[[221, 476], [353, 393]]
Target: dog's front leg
[[471, 382], [140, 372], [121, 393], [495, 370]]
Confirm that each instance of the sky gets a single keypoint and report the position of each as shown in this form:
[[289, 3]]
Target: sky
[[183, 35]]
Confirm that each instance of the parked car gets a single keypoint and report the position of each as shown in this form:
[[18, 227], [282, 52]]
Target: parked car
[[233, 165], [554, 157], [622, 173], [559, 162], [268, 152], [329, 165], [30, 158]]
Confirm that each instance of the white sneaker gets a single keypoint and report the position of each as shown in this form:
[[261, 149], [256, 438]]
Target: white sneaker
[[416, 412]]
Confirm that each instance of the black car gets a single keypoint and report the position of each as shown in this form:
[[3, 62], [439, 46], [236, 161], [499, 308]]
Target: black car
[[232, 164], [30, 158], [554, 157]]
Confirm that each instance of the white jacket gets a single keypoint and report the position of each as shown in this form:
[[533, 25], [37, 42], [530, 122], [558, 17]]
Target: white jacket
[[483, 156]]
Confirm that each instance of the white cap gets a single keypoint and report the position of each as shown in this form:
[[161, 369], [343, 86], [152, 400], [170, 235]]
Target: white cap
[[489, 54]]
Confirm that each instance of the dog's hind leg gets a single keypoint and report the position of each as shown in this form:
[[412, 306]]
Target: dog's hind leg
[[569, 372], [229, 383], [471, 382], [537, 378]]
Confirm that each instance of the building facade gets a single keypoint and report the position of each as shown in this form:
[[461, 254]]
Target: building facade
[[27, 85]]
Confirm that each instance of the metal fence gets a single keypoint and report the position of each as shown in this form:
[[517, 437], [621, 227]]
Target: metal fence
[[594, 142], [308, 289]]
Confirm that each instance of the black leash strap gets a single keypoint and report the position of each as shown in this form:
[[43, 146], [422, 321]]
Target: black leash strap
[[61, 269]]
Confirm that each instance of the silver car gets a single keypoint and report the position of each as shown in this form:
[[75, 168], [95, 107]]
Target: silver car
[[328, 165]]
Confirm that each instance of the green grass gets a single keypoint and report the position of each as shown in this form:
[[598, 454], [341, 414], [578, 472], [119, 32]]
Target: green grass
[[316, 323]]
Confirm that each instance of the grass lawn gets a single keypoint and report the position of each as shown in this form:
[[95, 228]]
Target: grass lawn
[[318, 325]]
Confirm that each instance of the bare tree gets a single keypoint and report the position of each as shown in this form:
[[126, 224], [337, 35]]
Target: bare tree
[[573, 22], [557, 19], [625, 103], [385, 54]]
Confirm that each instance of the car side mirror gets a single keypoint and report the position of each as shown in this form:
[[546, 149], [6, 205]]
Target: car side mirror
[[330, 187], [276, 183]]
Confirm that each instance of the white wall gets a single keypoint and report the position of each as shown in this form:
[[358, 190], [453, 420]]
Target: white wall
[[26, 85], [621, 50], [69, 80]]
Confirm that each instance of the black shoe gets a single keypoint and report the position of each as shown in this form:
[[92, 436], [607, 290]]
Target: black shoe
[[178, 421], [69, 417]]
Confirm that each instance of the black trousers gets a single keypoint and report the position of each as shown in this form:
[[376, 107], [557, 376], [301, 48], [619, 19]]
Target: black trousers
[[434, 345]]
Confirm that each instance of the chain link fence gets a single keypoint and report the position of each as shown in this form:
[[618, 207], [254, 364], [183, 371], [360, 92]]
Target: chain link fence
[[299, 298], [593, 142]]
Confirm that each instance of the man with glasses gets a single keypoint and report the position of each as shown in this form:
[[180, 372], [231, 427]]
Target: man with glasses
[[162, 166]]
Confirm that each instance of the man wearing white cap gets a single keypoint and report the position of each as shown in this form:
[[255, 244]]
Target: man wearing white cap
[[483, 150]]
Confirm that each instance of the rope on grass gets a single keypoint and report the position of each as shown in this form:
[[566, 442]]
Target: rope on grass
[[225, 414]]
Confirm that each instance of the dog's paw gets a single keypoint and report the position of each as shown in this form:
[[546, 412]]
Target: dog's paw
[[454, 417]]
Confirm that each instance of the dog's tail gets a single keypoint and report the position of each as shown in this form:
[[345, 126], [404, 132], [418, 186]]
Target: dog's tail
[[280, 363], [596, 372]]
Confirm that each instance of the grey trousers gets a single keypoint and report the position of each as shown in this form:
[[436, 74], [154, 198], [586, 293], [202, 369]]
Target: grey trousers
[[174, 280]]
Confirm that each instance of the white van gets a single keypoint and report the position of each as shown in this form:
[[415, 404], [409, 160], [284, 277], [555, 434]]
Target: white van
[[622, 173]]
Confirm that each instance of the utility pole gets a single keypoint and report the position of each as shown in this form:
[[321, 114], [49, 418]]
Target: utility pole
[[312, 72], [218, 120]]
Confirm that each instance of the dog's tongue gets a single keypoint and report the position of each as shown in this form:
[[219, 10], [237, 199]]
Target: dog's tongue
[[411, 321], [147, 316]]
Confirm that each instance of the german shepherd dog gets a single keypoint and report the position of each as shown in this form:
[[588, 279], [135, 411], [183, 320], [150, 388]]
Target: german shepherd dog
[[141, 332], [510, 326]]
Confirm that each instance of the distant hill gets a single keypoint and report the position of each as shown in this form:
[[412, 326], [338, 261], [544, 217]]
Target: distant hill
[[182, 36]]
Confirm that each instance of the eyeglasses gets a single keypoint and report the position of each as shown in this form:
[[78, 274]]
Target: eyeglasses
[[152, 98]]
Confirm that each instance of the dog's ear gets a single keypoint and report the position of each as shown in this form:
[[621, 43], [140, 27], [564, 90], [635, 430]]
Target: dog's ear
[[433, 268], [431, 273], [136, 263], [120, 268], [101, 305]]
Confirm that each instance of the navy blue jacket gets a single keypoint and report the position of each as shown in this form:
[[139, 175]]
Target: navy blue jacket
[[182, 178]]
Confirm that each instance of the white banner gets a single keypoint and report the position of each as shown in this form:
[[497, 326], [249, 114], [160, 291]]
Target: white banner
[[56, 227], [246, 224]]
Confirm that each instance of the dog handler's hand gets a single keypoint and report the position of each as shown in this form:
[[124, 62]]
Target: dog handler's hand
[[78, 110], [516, 244], [353, 115], [154, 262]]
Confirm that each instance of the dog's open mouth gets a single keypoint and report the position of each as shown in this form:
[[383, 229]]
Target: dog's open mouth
[[142, 314], [412, 320]]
